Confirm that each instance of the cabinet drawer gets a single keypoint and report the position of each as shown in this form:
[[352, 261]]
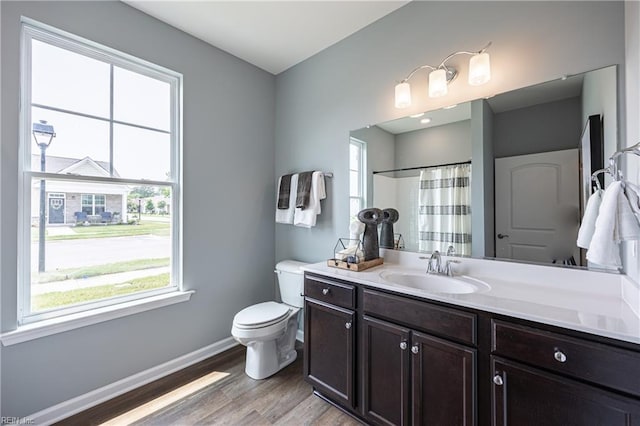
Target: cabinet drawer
[[338, 294], [593, 362], [450, 323]]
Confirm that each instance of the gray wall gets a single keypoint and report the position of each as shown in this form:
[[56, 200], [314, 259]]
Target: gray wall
[[351, 83], [482, 180], [220, 92], [552, 126], [380, 153], [598, 97], [444, 144], [630, 126]]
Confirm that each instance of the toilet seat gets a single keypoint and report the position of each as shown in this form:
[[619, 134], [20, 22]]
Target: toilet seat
[[261, 315]]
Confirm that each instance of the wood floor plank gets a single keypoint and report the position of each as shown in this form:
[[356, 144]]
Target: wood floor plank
[[217, 391]]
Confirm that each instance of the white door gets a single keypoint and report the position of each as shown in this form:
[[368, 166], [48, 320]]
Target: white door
[[537, 206]]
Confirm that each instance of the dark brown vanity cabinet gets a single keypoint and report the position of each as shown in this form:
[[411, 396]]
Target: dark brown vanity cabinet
[[418, 362], [411, 377], [330, 333], [554, 379]]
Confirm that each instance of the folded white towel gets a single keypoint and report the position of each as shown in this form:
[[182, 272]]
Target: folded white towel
[[307, 218], [616, 222], [588, 225], [286, 215]]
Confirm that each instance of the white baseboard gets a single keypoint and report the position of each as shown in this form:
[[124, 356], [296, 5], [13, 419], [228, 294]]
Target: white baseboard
[[83, 402], [300, 335]]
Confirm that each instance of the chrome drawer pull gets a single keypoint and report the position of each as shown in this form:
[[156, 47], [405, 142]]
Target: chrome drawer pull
[[497, 379], [325, 291], [403, 346], [347, 325], [559, 356], [414, 349]]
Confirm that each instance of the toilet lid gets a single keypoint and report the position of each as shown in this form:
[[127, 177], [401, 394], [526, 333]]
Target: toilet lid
[[261, 315]]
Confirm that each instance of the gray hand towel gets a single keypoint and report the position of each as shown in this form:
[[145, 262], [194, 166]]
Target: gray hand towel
[[283, 192], [304, 190]]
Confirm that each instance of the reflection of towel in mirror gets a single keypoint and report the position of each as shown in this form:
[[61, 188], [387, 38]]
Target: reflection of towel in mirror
[[588, 225], [616, 222], [307, 218], [284, 192], [304, 190], [286, 215]]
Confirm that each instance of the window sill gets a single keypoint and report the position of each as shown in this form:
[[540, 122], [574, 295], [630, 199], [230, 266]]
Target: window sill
[[52, 326]]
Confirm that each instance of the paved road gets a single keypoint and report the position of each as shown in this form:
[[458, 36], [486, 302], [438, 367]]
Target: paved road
[[97, 251]]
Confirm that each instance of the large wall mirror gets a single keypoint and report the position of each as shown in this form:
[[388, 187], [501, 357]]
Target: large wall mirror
[[504, 177]]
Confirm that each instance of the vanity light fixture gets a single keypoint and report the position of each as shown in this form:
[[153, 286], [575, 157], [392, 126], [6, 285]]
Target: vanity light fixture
[[442, 75]]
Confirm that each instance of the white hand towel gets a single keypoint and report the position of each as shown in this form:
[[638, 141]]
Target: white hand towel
[[588, 225], [627, 225], [307, 218], [616, 222], [286, 215]]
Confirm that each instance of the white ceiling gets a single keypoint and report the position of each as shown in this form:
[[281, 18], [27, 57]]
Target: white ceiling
[[273, 35]]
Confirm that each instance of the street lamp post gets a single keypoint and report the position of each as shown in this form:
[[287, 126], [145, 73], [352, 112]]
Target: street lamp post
[[43, 134]]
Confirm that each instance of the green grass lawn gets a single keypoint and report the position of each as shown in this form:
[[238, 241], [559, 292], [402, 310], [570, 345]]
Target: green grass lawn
[[109, 268], [58, 299], [106, 231]]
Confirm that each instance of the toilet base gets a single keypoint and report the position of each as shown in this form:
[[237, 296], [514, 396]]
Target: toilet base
[[266, 358]]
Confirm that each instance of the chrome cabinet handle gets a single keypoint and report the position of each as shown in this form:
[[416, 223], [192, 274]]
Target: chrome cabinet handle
[[347, 325], [414, 349], [501, 236], [559, 356], [325, 291], [403, 345], [497, 379]]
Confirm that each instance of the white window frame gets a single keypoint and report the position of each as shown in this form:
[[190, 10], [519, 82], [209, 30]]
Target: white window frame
[[93, 202], [362, 172], [33, 30]]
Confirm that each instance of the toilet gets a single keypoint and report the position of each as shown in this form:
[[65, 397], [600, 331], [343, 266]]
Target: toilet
[[268, 329]]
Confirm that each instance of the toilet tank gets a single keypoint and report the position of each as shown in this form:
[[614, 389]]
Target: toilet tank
[[291, 282]]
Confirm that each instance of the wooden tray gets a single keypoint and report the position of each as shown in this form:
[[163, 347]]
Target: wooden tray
[[356, 267]]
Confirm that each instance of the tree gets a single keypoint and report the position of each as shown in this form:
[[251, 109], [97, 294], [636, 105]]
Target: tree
[[150, 207], [142, 192], [162, 204]]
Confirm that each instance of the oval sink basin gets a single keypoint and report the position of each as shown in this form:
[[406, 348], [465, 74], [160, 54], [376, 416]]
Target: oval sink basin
[[435, 283]]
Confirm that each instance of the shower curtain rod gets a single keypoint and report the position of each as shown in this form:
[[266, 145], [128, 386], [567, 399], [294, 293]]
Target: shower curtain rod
[[423, 167]]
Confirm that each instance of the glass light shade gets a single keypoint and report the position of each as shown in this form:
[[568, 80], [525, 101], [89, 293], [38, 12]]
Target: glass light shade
[[437, 83], [479, 69], [403, 95]]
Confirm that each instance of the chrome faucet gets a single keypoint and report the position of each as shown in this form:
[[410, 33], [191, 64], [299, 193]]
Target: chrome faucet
[[430, 268], [451, 251], [437, 268]]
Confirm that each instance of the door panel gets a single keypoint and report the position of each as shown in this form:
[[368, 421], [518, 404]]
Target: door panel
[[329, 334], [56, 209], [537, 206], [386, 372], [525, 396], [444, 388]]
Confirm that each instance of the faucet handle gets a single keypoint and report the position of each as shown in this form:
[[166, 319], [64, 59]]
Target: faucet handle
[[448, 269]]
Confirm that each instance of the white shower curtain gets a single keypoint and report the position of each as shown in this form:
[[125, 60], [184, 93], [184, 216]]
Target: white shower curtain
[[444, 216]]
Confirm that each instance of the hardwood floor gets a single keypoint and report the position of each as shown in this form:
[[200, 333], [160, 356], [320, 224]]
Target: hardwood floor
[[217, 391]]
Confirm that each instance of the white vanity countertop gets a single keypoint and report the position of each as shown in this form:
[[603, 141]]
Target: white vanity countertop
[[599, 303]]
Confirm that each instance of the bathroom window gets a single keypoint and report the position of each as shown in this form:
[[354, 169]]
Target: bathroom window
[[100, 176], [357, 177]]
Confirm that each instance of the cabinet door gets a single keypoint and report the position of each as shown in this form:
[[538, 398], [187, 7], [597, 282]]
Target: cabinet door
[[443, 382], [526, 396], [386, 372], [329, 342]]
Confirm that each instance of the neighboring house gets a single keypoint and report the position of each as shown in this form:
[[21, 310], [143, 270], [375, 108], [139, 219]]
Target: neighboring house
[[64, 199]]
